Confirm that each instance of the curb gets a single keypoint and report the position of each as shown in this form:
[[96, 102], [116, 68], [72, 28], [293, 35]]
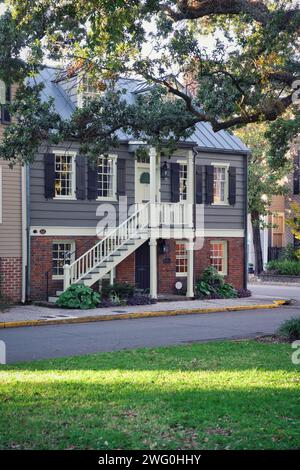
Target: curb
[[128, 316]]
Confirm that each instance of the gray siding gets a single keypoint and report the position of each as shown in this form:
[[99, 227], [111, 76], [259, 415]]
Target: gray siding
[[77, 213], [218, 217], [225, 217]]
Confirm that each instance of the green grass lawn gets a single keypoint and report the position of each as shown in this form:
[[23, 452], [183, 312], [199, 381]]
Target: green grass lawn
[[223, 395]]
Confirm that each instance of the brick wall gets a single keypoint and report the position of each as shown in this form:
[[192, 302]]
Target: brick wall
[[125, 271], [11, 279], [235, 260], [41, 263]]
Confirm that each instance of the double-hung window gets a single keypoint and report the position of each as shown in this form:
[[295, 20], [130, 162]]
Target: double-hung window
[[107, 177], [218, 256], [220, 183], [182, 181], [181, 259], [65, 175], [62, 253]]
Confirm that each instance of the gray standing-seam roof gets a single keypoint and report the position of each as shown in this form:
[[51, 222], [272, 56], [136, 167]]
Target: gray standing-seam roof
[[204, 138]]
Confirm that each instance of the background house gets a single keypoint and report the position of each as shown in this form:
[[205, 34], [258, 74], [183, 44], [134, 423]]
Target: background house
[[12, 218]]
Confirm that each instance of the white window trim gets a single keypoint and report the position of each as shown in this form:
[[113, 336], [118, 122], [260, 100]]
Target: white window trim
[[71, 197], [182, 242], [73, 246], [226, 188], [1, 196], [224, 272], [113, 198]]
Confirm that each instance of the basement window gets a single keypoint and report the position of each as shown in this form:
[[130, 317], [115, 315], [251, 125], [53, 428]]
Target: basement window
[[218, 256], [62, 253], [181, 259]]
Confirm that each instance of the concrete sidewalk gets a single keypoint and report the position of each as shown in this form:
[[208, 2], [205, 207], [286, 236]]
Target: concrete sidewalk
[[34, 316]]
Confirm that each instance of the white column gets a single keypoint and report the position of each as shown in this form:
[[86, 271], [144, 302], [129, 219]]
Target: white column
[[152, 154], [190, 189], [158, 177], [190, 268], [153, 268], [67, 276]]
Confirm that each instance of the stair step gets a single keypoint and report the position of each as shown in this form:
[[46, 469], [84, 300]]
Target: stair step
[[52, 299], [59, 292]]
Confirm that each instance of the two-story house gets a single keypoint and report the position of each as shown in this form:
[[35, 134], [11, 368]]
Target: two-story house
[[13, 214], [155, 222]]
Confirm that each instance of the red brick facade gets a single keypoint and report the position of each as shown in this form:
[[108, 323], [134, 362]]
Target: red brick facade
[[41, 262], [235, 260], [11, 279]]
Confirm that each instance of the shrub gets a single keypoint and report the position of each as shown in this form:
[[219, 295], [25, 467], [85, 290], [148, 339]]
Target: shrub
[[289, 252], [118, 291], [140, 299], [79, 296], [213, 286], [284, 267], [241, 293], [290, 329]]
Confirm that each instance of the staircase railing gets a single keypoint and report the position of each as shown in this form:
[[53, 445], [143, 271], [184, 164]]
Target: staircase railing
[[130, 228]]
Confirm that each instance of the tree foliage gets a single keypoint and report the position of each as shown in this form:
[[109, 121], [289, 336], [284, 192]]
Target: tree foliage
[[239, 60]]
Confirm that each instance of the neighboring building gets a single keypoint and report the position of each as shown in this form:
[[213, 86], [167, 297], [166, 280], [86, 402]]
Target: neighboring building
[[278, 235], [12, 219], [65, 192]]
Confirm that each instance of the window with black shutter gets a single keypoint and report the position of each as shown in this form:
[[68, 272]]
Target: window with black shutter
[[92, 181]]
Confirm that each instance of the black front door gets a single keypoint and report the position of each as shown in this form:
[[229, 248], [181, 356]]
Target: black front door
[[142, 266]]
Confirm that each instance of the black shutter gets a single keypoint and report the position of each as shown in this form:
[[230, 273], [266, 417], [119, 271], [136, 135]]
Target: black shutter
[[209, 184], [199, 188], [232, 186], [175, 171], [297, 174], [80, 176], [49, 170], [121, 176], [92, 180]]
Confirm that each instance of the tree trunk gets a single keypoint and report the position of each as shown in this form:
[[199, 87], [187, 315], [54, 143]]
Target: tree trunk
[[255, 221]]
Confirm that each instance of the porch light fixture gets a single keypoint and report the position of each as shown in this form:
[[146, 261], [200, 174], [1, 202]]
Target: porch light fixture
[[164, 171]]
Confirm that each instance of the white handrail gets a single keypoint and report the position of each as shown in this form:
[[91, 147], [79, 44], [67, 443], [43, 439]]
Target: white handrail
[[105, 247]]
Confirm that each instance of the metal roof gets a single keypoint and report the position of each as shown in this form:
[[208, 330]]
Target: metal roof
[[204, 138]]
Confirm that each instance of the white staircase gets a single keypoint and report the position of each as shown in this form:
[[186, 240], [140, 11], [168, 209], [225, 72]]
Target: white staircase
[[109, 251]]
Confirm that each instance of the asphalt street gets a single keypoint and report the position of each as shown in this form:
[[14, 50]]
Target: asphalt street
[[31, 343]]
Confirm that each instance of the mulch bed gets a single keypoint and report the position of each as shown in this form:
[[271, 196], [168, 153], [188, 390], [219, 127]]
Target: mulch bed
[[274, 339]]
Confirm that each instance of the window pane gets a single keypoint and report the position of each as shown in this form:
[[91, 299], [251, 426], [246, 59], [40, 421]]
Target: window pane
[[220, 175], [217, 255], [60, 256], [181, 258], [63, 175], [105, 177], [182, 182]]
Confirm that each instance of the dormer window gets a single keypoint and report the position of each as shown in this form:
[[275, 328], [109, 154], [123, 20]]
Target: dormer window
[[89, 89]]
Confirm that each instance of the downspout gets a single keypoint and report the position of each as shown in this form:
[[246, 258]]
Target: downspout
[[24, 232], [246, 221]]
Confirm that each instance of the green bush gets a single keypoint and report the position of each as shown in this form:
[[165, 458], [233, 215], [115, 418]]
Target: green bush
[[285, 267], [118, 290], [289, 253], [79, 296], [290, 329], [213, 286]]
